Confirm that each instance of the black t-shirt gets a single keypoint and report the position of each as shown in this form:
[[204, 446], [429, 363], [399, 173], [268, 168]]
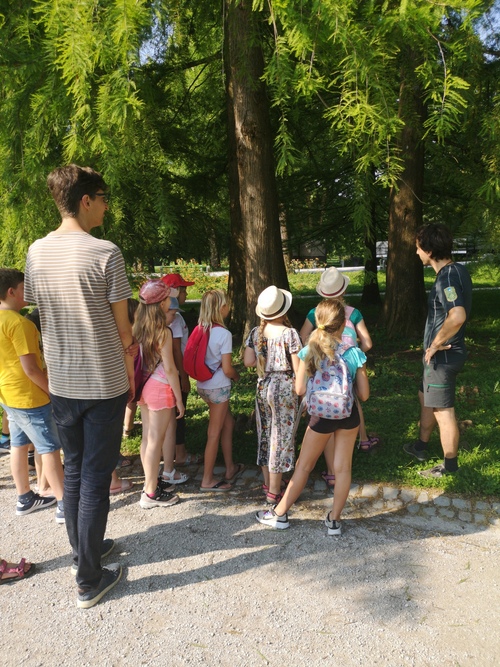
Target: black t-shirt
[[452, 288]]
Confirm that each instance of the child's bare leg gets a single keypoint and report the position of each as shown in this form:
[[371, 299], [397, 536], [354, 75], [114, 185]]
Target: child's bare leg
[[275, 483], [53, 470], [19, 468], [265, 475], [226, 441], [344, 447], [363, 435], [158, 421], [312, 447], [169, 448], [330, 454], [128, 423], [218, 412], [41, 479]]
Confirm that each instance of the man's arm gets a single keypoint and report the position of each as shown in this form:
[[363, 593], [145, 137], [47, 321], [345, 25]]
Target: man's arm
[[120, 313], [454, 320], [35, 374]]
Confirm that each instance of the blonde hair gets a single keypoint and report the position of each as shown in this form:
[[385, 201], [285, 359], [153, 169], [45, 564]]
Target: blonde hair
[[261, 346], [330, 322], [151, 330], [212, 303]]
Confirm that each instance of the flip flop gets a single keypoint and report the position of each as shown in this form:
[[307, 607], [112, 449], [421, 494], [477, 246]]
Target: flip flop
[[328, 479], [123, 462], [125, 485], [191, 460], [216, 487], [232, 480], [18, 570]]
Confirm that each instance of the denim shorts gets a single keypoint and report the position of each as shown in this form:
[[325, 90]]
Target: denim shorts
[[218, 395], [33, 425]]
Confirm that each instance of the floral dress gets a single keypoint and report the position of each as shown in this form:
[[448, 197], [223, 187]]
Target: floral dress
[[276, 402]]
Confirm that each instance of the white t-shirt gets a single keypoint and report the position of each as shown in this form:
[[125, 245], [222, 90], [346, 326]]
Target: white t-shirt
[[219, 343], [179, 330]]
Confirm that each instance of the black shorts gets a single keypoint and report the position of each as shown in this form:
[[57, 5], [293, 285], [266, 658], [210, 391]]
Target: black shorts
[[439, 382], [320, 425]]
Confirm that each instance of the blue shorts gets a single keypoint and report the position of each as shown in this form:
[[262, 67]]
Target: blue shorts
[[33, 425]]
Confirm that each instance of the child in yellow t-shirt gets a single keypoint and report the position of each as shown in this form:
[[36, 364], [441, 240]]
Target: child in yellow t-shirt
[[24, 396]]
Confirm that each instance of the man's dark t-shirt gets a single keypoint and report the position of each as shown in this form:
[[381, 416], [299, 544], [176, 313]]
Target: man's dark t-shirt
[[452, 288]]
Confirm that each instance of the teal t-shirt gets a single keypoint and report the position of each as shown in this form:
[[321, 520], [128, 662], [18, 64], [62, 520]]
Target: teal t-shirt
[[355, 317], [353, 357]]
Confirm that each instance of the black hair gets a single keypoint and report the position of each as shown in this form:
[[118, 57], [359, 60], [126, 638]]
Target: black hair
[[68, 184], [436, 239], [9, 278]]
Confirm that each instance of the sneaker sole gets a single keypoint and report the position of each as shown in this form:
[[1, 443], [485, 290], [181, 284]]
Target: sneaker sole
[[415, 455], [148, 505], [277, 525], [36, 507], [87, 604]]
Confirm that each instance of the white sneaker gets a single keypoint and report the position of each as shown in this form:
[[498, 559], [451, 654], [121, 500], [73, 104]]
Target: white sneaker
[[334, 527], [270, 518]]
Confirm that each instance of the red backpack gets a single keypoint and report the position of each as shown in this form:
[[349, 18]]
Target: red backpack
[[195, 353]]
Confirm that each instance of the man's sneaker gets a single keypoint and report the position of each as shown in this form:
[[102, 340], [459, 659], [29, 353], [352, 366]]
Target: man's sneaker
[[111, 575], [334, 527], [107, 547], [35, 503], [270, 518], [161, 498], [4, 444], [420, 454], [437, 471], [60, 515]]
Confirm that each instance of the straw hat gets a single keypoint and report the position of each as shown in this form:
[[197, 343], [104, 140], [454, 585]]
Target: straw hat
[[154, 291], [273, 302], [332, 284]]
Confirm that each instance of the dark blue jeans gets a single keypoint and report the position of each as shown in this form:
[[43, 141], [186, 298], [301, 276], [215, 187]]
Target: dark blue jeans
[[90, 432]]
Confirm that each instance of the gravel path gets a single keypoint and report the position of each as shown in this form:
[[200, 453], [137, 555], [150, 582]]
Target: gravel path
[[204, 584]]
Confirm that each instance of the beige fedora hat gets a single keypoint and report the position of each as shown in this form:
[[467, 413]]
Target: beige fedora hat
[[332, 283], [273, 302]]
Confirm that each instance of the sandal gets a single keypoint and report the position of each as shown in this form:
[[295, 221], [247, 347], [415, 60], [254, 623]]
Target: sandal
[[328, 479], [273, 498], [240, 467], [170, 478], [17, 570], [283, 485], [190, 460], [368, 445], [125, 485]]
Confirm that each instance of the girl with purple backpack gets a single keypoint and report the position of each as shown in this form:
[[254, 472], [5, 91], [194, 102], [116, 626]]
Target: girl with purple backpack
[[342, 364]]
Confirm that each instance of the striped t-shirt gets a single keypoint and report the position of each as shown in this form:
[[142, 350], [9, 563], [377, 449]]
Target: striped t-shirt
[[74, 278]]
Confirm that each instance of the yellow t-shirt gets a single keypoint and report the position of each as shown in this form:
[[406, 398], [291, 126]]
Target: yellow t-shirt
[[18, 336]]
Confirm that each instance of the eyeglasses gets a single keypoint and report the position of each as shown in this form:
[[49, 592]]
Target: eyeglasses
[[105, 196]]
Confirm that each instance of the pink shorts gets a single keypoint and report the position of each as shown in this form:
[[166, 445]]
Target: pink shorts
[[157, 395]]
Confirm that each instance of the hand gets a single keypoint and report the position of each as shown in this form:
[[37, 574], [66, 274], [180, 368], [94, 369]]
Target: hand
[[431, 351], [185, 384], [180, 410], [133, 349]]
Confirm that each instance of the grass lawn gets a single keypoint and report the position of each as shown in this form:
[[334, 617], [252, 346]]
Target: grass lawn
[[392, 411]]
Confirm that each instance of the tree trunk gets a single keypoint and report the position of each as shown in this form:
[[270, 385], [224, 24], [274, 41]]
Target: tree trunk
[[256, 242], [404, 306], [371, 291]]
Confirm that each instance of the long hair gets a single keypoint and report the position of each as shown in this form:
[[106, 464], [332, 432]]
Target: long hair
[[261, 347], [330, 321], [212, 303], [151, 330]]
